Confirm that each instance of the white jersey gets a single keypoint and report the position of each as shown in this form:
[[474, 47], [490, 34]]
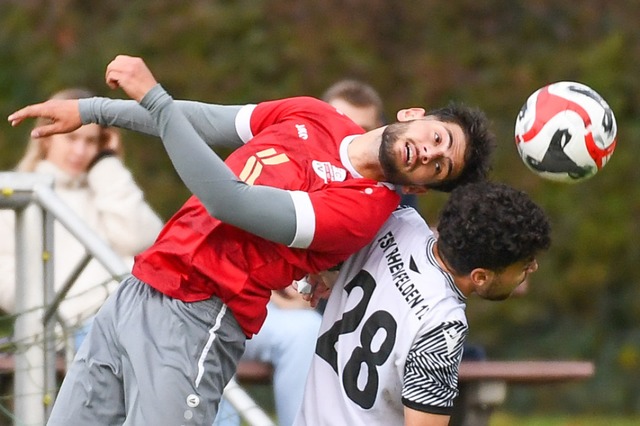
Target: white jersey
[[391, 335]]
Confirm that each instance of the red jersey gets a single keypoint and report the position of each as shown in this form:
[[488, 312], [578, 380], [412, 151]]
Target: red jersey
[[297, 144]]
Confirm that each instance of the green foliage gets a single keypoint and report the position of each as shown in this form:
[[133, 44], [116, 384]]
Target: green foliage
[[583, 303], [503, 419]]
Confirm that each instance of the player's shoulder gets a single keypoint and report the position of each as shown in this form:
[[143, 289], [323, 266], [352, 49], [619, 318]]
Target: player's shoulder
[[406, 221], [297, 103], [410, 232], [309, 111]]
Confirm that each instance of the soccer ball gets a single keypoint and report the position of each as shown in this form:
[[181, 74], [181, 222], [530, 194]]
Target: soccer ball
[[565, 132]]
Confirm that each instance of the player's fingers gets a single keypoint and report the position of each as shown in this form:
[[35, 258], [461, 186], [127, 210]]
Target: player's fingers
[[14, 121], [117, 70], [47, 130], [112, 78], [113, 73], [313, 302], [323, 292], [31, 111], [112, 83]]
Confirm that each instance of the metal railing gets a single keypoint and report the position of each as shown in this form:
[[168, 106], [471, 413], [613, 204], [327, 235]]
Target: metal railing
[[36, 207]]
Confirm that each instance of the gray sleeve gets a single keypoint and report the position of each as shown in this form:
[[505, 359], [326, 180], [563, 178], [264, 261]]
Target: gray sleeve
[[264, 211], [215, 124]]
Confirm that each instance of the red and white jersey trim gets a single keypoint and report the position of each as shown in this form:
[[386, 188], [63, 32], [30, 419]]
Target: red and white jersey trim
[[305, 220], [344, 156], [243, 122]]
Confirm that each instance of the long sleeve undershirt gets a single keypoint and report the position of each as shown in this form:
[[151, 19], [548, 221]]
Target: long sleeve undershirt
[[215, 124], [264, 211]]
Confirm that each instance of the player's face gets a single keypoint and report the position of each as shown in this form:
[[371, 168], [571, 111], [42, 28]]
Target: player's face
[[73, 152], [421, 152], [506, 281]]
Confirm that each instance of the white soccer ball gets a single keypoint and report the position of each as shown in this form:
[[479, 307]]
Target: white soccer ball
[[565, 132]]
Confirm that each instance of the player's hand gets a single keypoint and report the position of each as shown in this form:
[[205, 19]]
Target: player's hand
[[329, 277], [288, 298], [131, 74], [63, 113], [320, 289]]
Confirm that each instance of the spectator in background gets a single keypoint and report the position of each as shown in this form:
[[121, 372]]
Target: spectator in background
[[90, 177], [362, 104]]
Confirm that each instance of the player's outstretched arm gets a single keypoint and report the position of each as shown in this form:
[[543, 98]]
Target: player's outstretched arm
[[215, 124], [261, 210]]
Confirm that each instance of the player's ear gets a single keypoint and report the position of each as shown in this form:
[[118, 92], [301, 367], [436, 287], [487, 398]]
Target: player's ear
[[409, 114], [481, 277], [414, 189]]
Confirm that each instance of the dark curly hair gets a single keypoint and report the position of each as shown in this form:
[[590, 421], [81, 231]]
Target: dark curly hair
[[490, 225], [481, 143]]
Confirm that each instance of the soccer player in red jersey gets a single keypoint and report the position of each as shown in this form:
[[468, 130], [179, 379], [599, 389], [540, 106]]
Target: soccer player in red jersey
[[300, 193]]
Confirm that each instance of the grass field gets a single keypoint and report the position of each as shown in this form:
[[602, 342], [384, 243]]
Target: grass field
[[264, 397], [504, 419]]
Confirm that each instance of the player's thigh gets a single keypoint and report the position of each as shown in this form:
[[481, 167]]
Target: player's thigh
[[92, 391], [89, 396], [190, 353]]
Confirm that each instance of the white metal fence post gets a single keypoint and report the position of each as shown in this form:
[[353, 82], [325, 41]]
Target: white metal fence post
[[29, 382]]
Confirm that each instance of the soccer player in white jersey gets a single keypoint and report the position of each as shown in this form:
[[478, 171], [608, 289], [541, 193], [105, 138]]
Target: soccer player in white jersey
[[392, 334]]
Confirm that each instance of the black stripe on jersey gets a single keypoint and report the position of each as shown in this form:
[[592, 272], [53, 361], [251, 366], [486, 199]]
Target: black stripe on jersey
[[432, 409], [432, 259], [431, 370]]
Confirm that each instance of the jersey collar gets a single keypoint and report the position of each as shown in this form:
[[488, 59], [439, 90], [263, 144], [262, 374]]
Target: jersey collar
[[346, 162], [449, 278]]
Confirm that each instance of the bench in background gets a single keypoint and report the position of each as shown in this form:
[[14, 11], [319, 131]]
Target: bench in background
[[483, 384]]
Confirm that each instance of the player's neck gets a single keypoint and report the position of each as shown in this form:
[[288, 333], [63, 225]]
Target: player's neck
[[463, 282], [363, 153]]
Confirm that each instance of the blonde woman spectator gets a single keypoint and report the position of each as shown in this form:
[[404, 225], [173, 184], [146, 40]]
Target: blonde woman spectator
[[90, 177]]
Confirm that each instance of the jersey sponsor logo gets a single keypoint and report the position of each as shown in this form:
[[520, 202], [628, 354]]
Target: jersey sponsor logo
[[302, 131], [254, 165], [401, 279], [451, 338], [328, 172]]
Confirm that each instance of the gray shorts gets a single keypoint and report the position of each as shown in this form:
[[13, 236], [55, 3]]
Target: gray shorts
[[151, 360]]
